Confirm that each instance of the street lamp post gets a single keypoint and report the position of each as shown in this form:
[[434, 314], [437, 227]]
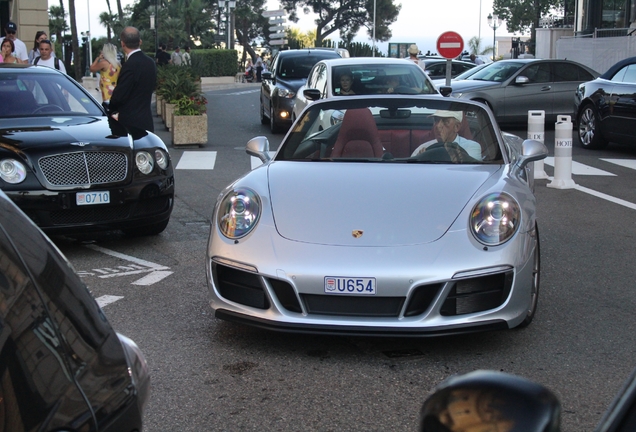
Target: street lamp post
[[494, 23], [230, 4]]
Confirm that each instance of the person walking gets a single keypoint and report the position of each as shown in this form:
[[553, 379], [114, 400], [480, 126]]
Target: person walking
[[35, 52], [108, 67], [130, 101], [162, 57], [258, 64], [413, 52], [7, 49], [187, 60], [176, 58], [19, 48], [46, 57]]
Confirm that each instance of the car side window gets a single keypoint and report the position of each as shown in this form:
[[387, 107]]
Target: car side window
[[311, 80], [537, 73], [626, 74], [321, 79], [570, 72]]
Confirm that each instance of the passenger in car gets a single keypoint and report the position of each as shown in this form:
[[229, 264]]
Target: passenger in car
[[346, 81], [392, 81], [446, 126]]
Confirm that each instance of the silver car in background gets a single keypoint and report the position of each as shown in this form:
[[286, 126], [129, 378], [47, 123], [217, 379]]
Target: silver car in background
[[513, 87], [367, 222]]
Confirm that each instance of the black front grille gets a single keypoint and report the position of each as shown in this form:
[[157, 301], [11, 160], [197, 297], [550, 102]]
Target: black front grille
[[477, 294], [84, 168], [240, 286], [353, 306], [286, 295], [82, 215], [421, 299]]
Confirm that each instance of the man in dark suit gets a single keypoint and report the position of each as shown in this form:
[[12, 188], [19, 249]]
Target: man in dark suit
[[130, 103]]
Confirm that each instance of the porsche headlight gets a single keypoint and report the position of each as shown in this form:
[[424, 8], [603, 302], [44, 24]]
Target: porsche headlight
[[284, 93], [12, 171], [495, 219], [238, 213], [161, 158], [144, 162]]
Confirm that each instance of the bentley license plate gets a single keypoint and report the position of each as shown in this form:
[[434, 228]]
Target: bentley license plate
[[90, 198], [349, 285]]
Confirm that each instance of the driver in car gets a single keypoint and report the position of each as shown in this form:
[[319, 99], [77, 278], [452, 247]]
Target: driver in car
[[447, 125]]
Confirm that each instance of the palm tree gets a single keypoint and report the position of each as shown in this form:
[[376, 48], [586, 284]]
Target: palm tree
[[107, 20], [74, 43], [57, 22], [474, 47]]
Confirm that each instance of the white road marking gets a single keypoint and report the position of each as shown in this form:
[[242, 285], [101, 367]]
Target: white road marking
[[153, 277], [581, 169], [603, 196], [196, 160], [627, 163], [107, 299], [127, 257]]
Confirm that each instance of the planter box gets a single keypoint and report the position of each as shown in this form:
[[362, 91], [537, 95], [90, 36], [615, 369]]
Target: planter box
[[188, 130], [159, 105], [169, 109], [163, 110]]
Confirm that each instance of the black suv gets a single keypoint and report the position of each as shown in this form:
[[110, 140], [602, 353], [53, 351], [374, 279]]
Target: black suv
[[287, 73]]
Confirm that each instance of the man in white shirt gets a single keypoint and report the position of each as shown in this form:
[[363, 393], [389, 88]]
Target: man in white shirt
[[176, 58], [21, 52], [46, 57], [447, 125]]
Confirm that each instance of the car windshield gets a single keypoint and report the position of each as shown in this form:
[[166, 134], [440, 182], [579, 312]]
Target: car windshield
[[383, 78], [299, 66], [498, 71], [36, 94], [393, 130]]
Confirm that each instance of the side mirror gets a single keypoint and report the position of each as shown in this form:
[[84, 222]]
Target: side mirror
[[258, 147], [522, 80], [311, 94], [266, 75], [445, 90], [487, 400], [531, 150]]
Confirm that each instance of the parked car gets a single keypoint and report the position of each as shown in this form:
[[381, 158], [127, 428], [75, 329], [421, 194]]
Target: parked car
[[62, 365], [513, 87], [605, 107], [436, 69], [484, 58], [288, 71], [369, 76], [357, 227], [72, 168]]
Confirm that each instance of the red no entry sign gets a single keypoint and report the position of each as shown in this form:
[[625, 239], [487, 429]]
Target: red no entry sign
[[450, 45]]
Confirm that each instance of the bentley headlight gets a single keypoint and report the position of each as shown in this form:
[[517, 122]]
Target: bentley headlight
[[12, 171], [238, 213], [284, 93], [161, 158], [495, 219], [144, 162]]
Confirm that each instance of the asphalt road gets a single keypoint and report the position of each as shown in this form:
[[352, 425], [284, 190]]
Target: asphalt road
[[209, 375]]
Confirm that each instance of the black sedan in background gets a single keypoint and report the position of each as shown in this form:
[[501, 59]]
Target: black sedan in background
[[436, 68], [62, 366], [288, 72], [606, 107], [70, 167]]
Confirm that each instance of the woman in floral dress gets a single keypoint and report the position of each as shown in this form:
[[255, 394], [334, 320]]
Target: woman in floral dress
[[108, 67]]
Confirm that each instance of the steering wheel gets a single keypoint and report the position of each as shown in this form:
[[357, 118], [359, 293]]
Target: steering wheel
[[48, 107], [446, 152]]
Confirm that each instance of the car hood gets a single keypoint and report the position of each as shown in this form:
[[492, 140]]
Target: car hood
[[469, 85], [34, 133], [291, 83], [392, 204]]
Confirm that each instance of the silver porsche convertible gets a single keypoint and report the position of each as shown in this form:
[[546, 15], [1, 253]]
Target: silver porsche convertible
[[381, 215]]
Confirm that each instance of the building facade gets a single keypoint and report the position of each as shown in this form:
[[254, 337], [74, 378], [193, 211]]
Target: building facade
[[29, 15]]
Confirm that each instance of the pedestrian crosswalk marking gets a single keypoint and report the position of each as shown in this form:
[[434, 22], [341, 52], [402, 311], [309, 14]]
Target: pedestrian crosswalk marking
[[197, 160], [581, 169], [627, 163]]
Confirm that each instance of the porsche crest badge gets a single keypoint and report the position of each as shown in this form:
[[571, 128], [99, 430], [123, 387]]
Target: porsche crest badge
[[357, 233]]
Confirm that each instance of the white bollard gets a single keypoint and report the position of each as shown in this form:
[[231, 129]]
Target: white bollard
[[562, 154], [536, 131]]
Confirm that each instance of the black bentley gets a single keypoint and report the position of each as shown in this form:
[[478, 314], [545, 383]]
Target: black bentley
[[70, 167], [606, 107]]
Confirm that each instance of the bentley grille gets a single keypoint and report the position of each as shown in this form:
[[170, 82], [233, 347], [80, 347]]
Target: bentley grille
[[84, 168]]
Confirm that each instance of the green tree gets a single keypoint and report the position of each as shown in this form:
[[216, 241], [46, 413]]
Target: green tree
[[522, 16], [346, 17], [57, 22], [249, 25], [474, 47]]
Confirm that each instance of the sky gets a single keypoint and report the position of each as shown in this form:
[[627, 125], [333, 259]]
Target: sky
[[420, 21]]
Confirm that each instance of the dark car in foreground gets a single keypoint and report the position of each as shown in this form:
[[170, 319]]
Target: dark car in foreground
[[288, 72], [70, 167], [513, 87], [606, 107], [62, 366]]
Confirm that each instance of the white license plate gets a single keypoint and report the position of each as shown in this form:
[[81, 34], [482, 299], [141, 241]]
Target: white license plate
[[349, 285], [90, 198]]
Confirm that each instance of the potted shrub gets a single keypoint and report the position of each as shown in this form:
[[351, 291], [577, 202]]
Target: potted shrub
[[190, 121], [176, 82]]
